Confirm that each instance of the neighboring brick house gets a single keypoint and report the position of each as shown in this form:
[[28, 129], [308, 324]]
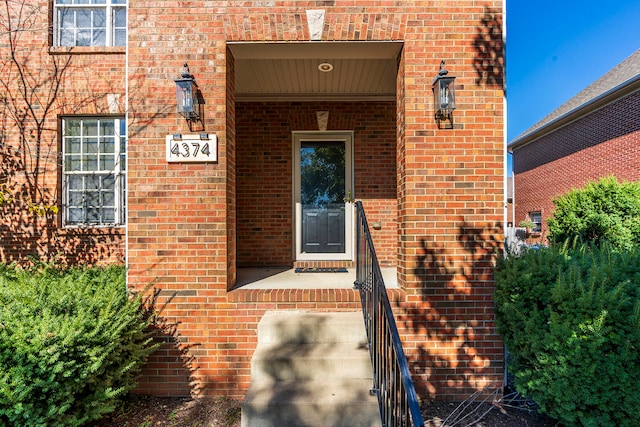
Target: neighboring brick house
[[92, 88], [594, 134]]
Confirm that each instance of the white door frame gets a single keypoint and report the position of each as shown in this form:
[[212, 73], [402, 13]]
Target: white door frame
[[347, 138]]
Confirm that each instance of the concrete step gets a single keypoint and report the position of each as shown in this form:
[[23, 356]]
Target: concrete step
[[344, 403], [304, 327], [311, 369], [285, 362]]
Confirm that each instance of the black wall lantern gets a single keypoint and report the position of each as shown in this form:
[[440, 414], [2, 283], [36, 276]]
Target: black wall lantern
[[187, 95], [444, 96]]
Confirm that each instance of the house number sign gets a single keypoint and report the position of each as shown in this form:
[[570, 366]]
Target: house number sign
[[192, 148]]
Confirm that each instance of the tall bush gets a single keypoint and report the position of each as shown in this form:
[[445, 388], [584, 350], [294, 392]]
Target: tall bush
[[571, 322], [71, 343], [602, 211]]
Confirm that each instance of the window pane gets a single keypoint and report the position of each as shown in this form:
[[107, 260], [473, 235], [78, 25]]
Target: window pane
[[107, 127], [120, 26], [108, 215], [84, 38], [107, 163], [90, 128], [109, 198], [108, 182], [67, 38], [123, 148], [92, 198], [99, 19], [76, 182], [64, 1], [99, 38], [90, 146], [107, 145], [75, 198], [67, 18], [73, 163], [90, 163], [76, 215], [120, 17], [93, 216], [72, 145], [93, 183], [71, 128], [118, 1], [120, 38], [83, 18]]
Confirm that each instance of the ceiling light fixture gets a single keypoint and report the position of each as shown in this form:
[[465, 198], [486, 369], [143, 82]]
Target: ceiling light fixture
[[325, 67]]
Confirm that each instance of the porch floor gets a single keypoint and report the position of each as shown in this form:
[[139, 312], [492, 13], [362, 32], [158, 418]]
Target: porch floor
[[287, 278]]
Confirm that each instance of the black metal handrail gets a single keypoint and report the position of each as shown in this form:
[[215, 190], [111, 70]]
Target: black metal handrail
[[392, 381]]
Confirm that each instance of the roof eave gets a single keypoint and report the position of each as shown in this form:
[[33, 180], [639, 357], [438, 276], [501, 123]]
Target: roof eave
[[620, 91]]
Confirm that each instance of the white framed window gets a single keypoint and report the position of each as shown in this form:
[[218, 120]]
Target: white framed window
[[536, 218], [93, 171], [90, 22]]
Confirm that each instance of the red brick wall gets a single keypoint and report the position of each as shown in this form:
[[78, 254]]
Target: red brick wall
[[605, 142], [449, 191], [185, 220], [207, 341], [265, 170], [58, 82]]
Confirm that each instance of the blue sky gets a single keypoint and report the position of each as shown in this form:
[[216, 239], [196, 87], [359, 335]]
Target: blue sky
[[557, 48]]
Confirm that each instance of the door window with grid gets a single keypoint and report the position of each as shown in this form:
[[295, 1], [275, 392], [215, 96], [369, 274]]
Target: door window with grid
[[90, 22], [94, 176]]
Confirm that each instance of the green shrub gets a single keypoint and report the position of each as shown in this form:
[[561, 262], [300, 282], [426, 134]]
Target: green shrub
[[71, 343], [603, 211], [571, 322]]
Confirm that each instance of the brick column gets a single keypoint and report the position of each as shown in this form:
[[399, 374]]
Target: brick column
[[450, 191]]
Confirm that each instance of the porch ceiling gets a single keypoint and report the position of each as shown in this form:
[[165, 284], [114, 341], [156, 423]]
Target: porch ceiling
[[289, 71]]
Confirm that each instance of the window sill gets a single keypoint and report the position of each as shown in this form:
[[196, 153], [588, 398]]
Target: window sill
[[87, 50], [89, 227]]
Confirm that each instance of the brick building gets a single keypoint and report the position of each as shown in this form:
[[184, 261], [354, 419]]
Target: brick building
[[594, 134], [99, 166]]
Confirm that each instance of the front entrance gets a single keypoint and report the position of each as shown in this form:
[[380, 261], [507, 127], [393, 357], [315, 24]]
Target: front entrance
[[323, 191]]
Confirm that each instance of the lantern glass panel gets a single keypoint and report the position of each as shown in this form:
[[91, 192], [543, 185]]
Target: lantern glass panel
[[185, 91], [446, 98]]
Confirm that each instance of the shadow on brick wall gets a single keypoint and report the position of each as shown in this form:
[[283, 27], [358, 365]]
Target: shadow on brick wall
[[33, 83], [36, 89], [489, 50], [457, 349], [170, 370]]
